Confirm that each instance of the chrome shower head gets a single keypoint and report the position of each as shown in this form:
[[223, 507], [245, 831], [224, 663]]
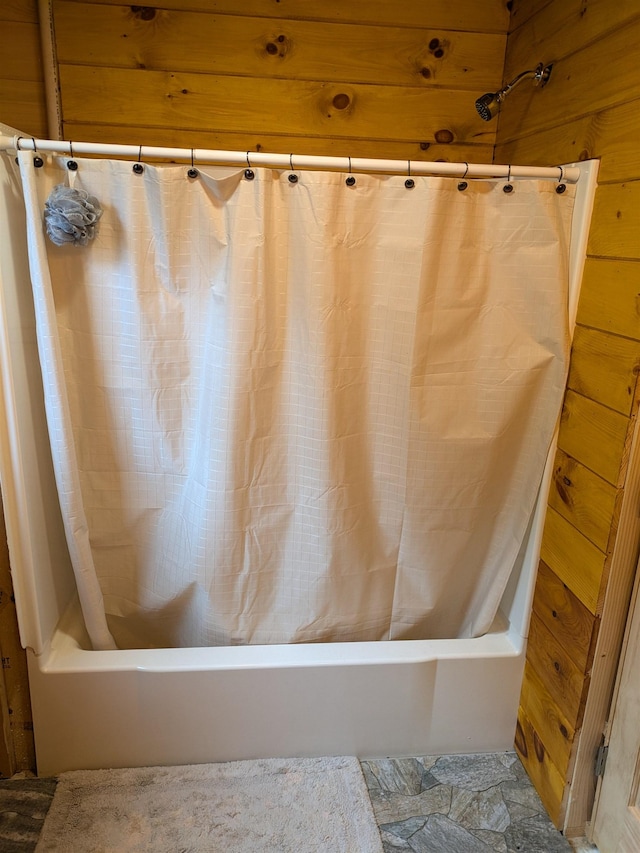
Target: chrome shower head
[[488, 105]]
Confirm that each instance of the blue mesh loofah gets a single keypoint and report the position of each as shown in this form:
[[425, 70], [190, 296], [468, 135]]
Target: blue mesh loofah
[[71, 215]]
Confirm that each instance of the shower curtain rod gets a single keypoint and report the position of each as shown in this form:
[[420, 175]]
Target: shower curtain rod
[[569, 174]]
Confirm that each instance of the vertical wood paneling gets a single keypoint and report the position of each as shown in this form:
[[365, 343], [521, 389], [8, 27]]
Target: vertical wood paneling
[[577, 116]]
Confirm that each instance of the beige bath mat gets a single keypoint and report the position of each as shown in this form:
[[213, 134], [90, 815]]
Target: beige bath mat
[[303, 805]]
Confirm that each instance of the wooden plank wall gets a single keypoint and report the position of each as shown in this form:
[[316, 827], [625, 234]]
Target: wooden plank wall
[[589, 109], [22, 105], [335, 77], [17, 749], [22, 99]]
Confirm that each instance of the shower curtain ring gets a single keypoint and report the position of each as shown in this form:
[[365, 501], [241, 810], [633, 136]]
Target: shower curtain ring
[[192, 172], [561, 187], [462, 184], [409, 183], [248, 172], [38, 162], [293, 179], [508, 187], [351, 181], [16, 143], [71, 164], [138, 168]]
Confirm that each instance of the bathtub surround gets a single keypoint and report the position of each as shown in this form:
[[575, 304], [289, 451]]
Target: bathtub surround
[[308, 805]]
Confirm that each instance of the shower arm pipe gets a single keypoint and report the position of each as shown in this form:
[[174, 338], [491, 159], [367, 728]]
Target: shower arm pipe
[[569, 174], [536, 74]]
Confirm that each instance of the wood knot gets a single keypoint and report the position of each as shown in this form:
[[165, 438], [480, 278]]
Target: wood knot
[[425, 146], [565, 497], [444, 136], [145, 13], [520, 741], [278, 45], [437, 47], [539, 747], [341, 101]]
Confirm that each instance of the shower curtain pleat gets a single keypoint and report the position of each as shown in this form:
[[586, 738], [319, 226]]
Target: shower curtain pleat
[[298, 412]]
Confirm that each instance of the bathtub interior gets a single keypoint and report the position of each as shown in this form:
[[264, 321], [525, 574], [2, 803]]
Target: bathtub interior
[[154, 706]]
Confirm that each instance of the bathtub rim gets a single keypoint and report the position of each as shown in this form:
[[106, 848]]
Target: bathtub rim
[[66, 652]]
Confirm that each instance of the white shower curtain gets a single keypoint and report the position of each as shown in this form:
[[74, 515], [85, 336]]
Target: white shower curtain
[[298, 412]]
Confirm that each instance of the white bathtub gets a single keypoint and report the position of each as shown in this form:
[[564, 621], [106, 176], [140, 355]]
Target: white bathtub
[[179, 706]]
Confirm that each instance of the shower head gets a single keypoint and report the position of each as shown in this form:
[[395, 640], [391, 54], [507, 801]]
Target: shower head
[[488, 105]]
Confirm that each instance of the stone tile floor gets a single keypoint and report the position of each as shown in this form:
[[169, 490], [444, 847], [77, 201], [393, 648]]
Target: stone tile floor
[[446, 804], [459, 804], [24, 804]]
